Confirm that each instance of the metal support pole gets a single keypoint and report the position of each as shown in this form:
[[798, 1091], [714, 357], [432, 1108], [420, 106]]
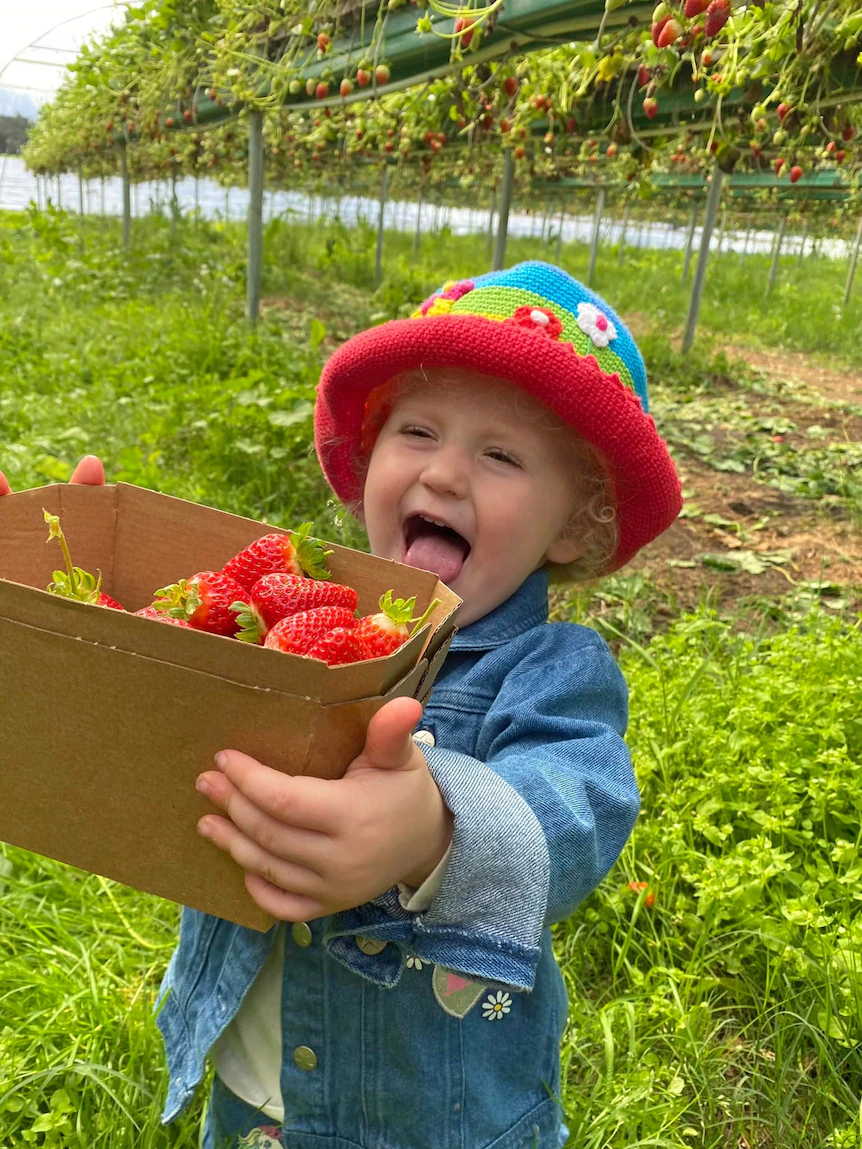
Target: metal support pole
[[622, 249], [255, 215], [417, 228], [851, 271], [378, 258], [80, 193], [594, 247], [721, 228], [102, 195], [776, 252], [802, 243], [489, 243], [127, 194], [712, 201], [689, 240], [505, 205], [175, 207], [197, 195]]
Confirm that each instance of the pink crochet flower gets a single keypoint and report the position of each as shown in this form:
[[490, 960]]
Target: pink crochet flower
[[452, 291]]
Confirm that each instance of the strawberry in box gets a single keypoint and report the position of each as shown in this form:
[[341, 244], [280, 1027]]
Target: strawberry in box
[[144, 708]]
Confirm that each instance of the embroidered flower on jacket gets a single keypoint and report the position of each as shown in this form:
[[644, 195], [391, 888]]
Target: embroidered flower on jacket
[[495, 1005], [593, 323], [415, 962]]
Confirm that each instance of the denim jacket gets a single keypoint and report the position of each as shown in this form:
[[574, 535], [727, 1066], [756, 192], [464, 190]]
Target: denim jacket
[[388, 1039]]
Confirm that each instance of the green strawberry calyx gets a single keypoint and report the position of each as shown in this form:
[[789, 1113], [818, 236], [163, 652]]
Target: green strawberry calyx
[[252, 627], [309, 552], [400, 611], [72, 582], [179, 600]]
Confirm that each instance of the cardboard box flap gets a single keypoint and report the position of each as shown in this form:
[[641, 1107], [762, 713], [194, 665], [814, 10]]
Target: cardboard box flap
[[147, 540], [117, 797]]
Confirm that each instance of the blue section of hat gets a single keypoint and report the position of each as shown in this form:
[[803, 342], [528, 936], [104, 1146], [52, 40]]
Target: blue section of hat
[[558, 287]]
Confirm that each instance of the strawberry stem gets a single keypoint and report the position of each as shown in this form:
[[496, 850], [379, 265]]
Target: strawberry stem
[[55, 531], [420, 622]]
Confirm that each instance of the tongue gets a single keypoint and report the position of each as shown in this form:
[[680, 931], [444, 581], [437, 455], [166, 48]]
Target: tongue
[[436, 553]]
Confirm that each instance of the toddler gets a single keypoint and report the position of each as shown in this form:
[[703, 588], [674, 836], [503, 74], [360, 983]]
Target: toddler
[[498, 437]]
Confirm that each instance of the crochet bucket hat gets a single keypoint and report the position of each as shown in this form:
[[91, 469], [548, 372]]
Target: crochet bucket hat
[[542, 330]]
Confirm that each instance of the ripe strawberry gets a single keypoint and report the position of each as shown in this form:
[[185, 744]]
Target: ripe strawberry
[[160, 616], [298, 633], [782, 110], [694, 8], [670, 33], [650, 106], [204, 601], [382, 73], [345, 87], [510, 86], [322, 90], [717, 15], [656, 29], [795, 173], [74, 582], [339, 646], [463, 25], [363, 77], [848, 133], [644, 75], [279, 595], [382, 633], [294, 553], [323, 41]]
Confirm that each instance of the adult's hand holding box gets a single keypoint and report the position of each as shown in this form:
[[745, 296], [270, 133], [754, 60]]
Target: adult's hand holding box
[[106, 719]]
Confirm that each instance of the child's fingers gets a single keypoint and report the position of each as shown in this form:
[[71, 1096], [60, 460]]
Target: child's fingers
[[286, 875], [307, 803], [283, 904], [308, 848]]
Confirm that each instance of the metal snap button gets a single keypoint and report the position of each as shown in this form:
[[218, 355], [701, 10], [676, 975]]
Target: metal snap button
[[424, 736], [301, 933], [370, 945], [304, 1057]]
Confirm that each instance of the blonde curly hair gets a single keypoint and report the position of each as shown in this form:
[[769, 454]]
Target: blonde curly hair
[[593, 518]]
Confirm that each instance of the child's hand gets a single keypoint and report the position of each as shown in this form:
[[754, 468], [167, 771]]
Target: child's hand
[[312, 847], [89, 472]]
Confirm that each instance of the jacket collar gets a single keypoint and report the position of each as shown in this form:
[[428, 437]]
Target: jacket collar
[[526, 608]]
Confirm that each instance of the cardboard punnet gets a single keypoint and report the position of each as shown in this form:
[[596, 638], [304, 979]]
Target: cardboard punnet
[[106, 719]]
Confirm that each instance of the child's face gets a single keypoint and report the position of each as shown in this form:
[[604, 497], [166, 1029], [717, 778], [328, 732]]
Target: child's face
[[471, 460]]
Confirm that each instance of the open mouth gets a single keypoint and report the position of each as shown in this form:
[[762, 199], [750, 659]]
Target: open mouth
[[432, 547]]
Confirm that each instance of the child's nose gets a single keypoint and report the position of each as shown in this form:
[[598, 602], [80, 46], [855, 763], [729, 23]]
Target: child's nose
[[446, 473]]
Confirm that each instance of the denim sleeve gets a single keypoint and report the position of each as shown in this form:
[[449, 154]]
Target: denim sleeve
[[540, 816]]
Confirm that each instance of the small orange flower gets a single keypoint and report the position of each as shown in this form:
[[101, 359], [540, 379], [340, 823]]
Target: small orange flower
[[649, 900]]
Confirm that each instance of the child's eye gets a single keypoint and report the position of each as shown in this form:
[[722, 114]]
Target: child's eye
[[504, 458], [414, 431]]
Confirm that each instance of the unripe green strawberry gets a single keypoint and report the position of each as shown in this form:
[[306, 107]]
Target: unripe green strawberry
[[298, 633], [279, 595], [294, 553]]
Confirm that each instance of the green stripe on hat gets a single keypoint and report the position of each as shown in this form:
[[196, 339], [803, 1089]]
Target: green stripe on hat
[[498, 302]]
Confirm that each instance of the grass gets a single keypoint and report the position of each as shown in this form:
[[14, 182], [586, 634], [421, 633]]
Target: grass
[[726, 1013]]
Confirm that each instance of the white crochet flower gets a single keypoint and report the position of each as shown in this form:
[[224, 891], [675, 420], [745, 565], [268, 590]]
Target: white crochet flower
[[593, 323], [495, 1005]]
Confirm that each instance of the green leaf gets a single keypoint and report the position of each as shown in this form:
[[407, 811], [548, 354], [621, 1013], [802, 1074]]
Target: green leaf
[[317, 333], [300, 413]]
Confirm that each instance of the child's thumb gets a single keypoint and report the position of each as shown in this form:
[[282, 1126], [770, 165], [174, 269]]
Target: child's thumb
[[388, 742]]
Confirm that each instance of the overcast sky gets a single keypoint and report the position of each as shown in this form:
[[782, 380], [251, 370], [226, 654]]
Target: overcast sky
[[49, 31]]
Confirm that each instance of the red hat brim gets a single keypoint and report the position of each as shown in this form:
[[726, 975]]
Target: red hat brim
[[597, 405]]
